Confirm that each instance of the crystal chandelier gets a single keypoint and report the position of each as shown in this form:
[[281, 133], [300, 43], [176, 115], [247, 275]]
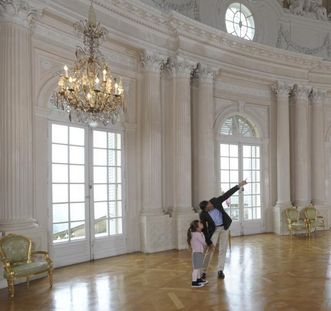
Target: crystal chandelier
[[87, 91]]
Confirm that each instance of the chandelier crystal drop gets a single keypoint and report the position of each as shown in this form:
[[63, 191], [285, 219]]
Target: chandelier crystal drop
[[87, 90]]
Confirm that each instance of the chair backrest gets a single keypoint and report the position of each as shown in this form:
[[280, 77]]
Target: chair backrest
[[292, 214], [310, 212], [15, 248]]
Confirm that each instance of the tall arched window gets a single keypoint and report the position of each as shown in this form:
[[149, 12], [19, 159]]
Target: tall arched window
[[240, 158]]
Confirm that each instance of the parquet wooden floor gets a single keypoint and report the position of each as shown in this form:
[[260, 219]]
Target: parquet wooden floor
[[263, 272]]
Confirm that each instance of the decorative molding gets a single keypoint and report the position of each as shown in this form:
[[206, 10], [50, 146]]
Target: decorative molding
[[183, 67], [188, 8], [152, 61], [206, 74], [308, 8], [241, 90], [285, 36], [282, 88], [318, 96], [18, 11], [301, 93]]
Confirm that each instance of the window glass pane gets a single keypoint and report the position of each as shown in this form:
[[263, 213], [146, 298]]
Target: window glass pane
[[77, 155], [76, 136], [100, 157], [101, 227], [59, 134], [247, 164], [59, 153], [100, 210], [233, 151], [77, 173], [119, 175], [60, 212], [119, 208], [224, 163], [112, 174], [111, 157], [119, 226], [100, 192], [112, 209], [224, 150], [99, 139], [59, 193], [60, 232], [234, 176], [59, 173], [77, 230], [225, 177], [112, 192], [233, 163], [77, 193], [112, 226], [119, 192], [247, 151], [100, 174], [77, 211], [118, 141], [111, 140], [118, 158]]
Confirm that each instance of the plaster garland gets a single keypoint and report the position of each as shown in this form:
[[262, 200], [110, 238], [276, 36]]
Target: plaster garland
[[285, 36]]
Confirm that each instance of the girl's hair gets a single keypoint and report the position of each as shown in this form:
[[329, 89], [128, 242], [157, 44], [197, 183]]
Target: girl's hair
[[193, 228]]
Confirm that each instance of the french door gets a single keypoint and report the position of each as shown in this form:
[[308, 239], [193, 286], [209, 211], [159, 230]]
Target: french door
[[240, 161], [86, 194]]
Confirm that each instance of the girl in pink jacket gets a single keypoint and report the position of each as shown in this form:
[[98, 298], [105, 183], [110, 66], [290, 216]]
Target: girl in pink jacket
[[196, 240]]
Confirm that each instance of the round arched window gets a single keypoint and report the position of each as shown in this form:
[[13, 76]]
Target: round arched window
[[238, 126], [239, 21]]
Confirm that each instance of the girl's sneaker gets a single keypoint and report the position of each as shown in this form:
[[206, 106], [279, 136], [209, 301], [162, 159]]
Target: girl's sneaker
[[197, 284], [202, 281]]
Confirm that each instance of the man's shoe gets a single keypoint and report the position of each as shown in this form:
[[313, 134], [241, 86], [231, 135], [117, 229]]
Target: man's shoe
[[221, 275], [197, 284], [203, 276], [202, 281]]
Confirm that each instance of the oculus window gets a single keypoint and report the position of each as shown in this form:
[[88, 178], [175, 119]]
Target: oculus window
[[239, 21]]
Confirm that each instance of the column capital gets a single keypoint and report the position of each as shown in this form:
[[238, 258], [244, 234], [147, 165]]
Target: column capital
[[302, 92], [183, 67], [19, 12], [282, 88], [206, 74], [152, 61], [318, 96]]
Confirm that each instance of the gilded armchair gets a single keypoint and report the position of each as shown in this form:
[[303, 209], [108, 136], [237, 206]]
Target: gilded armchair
[[312, 219], [19, 260], [294, 222]]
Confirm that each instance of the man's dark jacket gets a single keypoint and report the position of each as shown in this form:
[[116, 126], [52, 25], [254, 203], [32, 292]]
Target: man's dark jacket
[[208, 223]]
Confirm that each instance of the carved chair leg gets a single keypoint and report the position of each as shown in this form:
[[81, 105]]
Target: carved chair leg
[[11, 289], [50, 276]]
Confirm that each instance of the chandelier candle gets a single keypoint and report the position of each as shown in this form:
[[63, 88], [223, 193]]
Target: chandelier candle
[[81, 92]]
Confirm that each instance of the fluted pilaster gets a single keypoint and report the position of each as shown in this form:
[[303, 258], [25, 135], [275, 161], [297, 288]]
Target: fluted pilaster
[[206, 161], [282, 91], [317, 148], [16, 165], [302, 193], [182, 156], [151, 129]]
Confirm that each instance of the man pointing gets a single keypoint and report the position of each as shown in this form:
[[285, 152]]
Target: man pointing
[[216, 223]]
